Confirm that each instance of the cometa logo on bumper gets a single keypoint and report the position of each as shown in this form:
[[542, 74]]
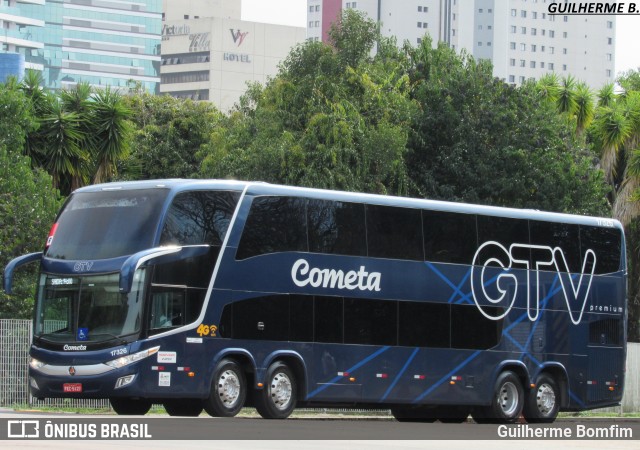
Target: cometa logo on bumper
[[303, 274], [68, 348]]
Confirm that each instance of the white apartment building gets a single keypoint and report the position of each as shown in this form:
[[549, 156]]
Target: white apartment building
[[520, 37], [209, 54]]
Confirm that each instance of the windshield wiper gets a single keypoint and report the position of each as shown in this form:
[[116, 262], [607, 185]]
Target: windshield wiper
[[121, 340]]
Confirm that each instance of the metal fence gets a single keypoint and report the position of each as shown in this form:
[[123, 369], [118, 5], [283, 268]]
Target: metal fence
[[15, 339]]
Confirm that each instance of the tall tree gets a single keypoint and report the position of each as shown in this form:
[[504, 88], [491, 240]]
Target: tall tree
[[78, 101], [334, 117], [168, 134], [112, 132], [480, 140], [27, 203]]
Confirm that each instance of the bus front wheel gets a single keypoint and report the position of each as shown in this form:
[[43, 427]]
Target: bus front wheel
[[507, 403], [278, 398], [542, 403], [228, 390], [130, 406]]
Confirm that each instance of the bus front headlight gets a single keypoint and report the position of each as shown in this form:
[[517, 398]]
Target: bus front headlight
[[34, 363], [129, 359]]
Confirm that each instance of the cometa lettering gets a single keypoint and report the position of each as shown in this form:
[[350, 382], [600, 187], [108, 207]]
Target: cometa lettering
[[74, 347], [303, 274]]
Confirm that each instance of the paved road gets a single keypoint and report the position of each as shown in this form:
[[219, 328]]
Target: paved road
[[245, 433]]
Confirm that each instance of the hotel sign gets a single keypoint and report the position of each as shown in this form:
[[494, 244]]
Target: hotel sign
[[175, 30]]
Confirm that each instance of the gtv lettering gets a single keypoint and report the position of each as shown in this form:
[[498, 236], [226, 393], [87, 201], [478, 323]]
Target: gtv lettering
[[302, 275], [506, 283]]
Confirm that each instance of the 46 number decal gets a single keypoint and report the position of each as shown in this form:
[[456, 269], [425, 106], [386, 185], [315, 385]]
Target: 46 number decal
[[207, 330]]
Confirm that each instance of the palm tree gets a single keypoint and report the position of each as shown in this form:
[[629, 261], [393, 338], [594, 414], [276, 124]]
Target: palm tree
[[606, 95], [112, 132], [612, 128], [548, 87], [584, 111], [60, 137], [32, 85], [78, 100], [566, 101]]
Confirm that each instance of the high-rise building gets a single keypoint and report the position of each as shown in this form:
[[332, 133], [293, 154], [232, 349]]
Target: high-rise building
[[103, 42], [521, 38], [208, 53]]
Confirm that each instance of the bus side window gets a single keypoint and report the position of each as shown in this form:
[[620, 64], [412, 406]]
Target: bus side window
[[274, 224], [606, 243], [565, 236], [505, 231], [449, 237], [337, 228], [394, 233], [168, 310]]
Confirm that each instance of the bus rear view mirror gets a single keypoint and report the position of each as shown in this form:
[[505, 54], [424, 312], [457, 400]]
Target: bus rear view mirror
[[7, 279]]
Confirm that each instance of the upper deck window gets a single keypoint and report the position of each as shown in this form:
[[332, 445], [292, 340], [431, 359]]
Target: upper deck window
[[107, 224], [199, 217]]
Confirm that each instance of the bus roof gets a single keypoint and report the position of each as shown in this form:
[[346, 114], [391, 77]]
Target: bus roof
[[262, 188]]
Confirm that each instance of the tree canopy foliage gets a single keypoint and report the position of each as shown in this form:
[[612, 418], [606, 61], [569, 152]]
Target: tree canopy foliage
[[27, 203]]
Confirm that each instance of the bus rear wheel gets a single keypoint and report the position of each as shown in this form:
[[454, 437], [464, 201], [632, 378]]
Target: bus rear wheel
[[228, 390], [278, 398], [187, 407], [542, 403], [507, 403], [130, 406]]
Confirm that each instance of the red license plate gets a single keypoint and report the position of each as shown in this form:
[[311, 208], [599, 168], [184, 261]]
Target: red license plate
[[72, 387]]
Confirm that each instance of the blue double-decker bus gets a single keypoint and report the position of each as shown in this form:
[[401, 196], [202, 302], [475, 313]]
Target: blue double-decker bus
[[215, 295]]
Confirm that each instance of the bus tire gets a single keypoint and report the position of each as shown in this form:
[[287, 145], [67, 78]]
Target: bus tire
[[543, 402], [130, 406], [228, 390], [187, 407], [507, 403], [278, 398]]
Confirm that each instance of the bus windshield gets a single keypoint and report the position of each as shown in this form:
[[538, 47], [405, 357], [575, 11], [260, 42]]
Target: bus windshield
[[91, 308], [107, 224]]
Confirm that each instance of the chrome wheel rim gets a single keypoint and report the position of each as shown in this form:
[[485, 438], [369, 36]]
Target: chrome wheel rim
[[229, 388], [280, 390], [508, 399], [545, 399]]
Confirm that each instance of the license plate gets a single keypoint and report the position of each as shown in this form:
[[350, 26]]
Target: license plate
[[72, 387]]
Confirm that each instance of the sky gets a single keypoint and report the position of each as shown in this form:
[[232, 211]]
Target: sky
[[294, 12]]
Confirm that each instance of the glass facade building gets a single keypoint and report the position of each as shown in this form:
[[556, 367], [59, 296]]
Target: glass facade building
[[104, 42]]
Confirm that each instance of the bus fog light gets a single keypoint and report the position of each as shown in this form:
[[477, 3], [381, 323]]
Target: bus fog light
[[123, 381], [33, 383]]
